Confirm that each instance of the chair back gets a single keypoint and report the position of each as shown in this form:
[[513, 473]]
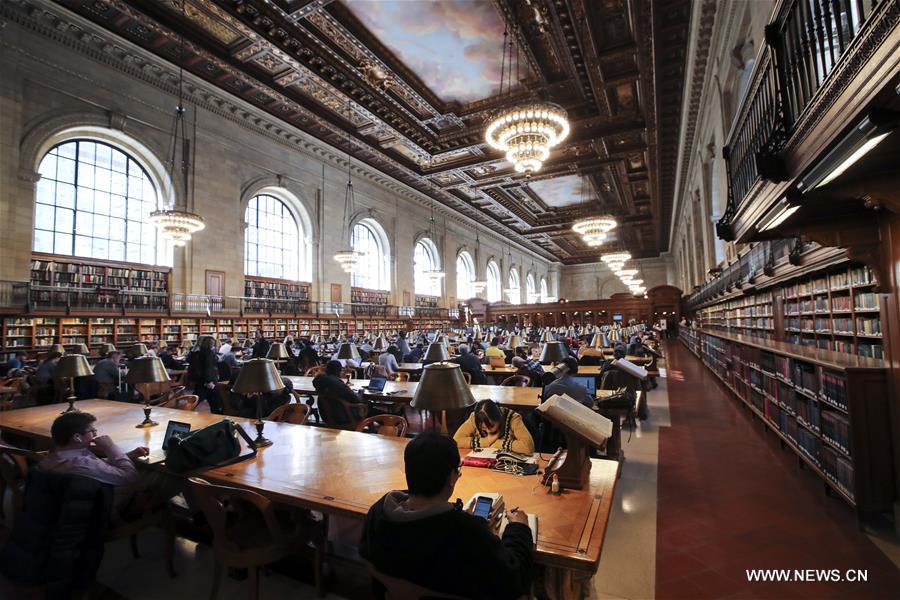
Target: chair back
[[14, 466], [389, 425], [313, 371], [370, 370], [401, 376], [224, 393], [517, 381], [401, 589], [339, 414], [185, 402], [468, 377], [290, 413], [348, 372]]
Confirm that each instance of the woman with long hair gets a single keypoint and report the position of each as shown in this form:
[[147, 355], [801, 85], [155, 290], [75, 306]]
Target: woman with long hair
[[493, 426]]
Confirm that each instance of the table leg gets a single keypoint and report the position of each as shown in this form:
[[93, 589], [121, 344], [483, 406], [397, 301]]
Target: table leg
[[563, 584]]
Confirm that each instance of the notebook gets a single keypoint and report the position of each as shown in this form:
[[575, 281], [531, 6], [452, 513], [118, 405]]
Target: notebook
[[532, 523], [159, 455]]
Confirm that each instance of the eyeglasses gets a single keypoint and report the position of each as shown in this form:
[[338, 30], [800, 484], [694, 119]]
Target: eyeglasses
[[459, 469]]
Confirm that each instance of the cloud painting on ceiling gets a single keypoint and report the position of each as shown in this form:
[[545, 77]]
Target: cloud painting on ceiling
[[453, 46], [560, 191]]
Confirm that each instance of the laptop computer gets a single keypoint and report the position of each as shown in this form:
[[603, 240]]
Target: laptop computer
[[376, 383], [159, 455], [589, 382], [496, 361]]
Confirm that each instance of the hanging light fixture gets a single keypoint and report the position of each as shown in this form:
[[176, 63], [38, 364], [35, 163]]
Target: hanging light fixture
[[526, 132], [511, 292], [174, 224], [347, 256], [478, 285], [593, 230], [435, 275], [615, 257]]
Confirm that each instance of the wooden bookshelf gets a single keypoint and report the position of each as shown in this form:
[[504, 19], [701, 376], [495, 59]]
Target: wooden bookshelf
[[63, 281], [835, 309], [830, 408], [288, 296], [374, 302]]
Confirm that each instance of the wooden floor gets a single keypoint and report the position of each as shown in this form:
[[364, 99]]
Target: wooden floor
[[731, 499]]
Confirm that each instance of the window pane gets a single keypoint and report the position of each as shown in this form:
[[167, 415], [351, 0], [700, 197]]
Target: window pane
[[43, 216], [62, 243], [43, 241], [65, 219], [117, 250], [48, 167], [46, 191], [82, 245], [65, 170], [117, 229], [65, 195]]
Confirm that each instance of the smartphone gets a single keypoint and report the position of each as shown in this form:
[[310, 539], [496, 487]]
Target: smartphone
[[483, 507]]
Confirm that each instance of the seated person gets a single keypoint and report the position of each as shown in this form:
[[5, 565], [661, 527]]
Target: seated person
[[79, 450], [329, 385], [419, 536], [16, 362], [636, 347], [230, 359], [388, 361], [522, 368], [246, 407], [44, 374], [566, 385], [495, 350], [107, 374], [415, 355], [167, 357], [470, 364], [493, 426]]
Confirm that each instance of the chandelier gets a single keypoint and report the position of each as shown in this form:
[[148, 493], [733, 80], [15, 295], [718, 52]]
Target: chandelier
[[594, 229], [526, 132], [433, 275], [347, 256], [478, 286], [174, 224], [177, 225], [615, 257]]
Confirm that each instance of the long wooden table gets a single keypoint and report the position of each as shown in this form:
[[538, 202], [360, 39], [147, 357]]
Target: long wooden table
[[344, 473]]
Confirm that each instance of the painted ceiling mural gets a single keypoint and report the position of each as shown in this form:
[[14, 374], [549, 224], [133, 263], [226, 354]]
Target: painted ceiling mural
[[454, 46], [406, 86]]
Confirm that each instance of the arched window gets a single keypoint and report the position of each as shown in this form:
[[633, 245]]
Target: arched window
[[513, 290], [531, 293], [465, 275], [374, 270], [425, 258], [94, 200], [274, 242], [494, 291], [544, 293]]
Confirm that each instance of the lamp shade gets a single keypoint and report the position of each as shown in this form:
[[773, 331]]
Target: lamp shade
[[436, 352], [348, 350], [187, 344], [278, 351], [442, 339], [137, 350], [147, 369], [514, 342], [106, 349], [57, 348], [257, 376], [380, 343], [81, 349], [547, 337], [597, 341], [72, 365], [553, 353], [442, 387]]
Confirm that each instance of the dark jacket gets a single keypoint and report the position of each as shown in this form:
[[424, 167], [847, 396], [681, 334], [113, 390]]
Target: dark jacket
[[471, 365], [329, 387], [203, 366], [58, 541], [261, 348], [447, 550]]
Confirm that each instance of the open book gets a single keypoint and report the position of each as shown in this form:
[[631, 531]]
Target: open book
[[577, 418], [532, 522]]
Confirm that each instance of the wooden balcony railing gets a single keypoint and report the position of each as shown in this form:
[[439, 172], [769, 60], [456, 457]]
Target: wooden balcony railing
[[804, 44]]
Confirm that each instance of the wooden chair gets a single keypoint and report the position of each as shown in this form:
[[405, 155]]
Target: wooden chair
[[310, 400], [389, 425], [14, 466], [224, 393], [517, 381], [400, 589], [329, 407], [313, 371], [262, 535], [369, 371], [290, 413], [468, 377], [7, 399], [348, 371], [401, 376]]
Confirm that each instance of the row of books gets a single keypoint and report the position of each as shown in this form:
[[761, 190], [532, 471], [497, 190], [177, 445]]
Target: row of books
[[838, 469], [868, 325], [805, 409], [867, 300], [836, 429], [871, 350]]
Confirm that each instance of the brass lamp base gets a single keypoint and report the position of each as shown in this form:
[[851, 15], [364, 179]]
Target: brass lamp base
[[71, 400], [261, 441], [147, 422]]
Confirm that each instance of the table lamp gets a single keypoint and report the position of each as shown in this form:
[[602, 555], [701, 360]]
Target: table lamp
[[514, 342], [347, 351], [187, 344], [255, 378], [278, 353], [137, 351], [380, 344], [316, 338], [105, 349], [436, 352], [147, 369], [442, 388], [597, 341], [57, 348], [81, 349], [553, 353], [442, 339], [69, 367], [547, 337]]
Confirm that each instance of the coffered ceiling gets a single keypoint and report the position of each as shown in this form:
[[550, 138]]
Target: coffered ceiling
[[407, 85]]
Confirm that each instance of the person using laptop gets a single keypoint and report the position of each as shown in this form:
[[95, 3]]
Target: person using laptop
[[388, 362], [495, 350], [568, 386], [493, 426], [418, 535]]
